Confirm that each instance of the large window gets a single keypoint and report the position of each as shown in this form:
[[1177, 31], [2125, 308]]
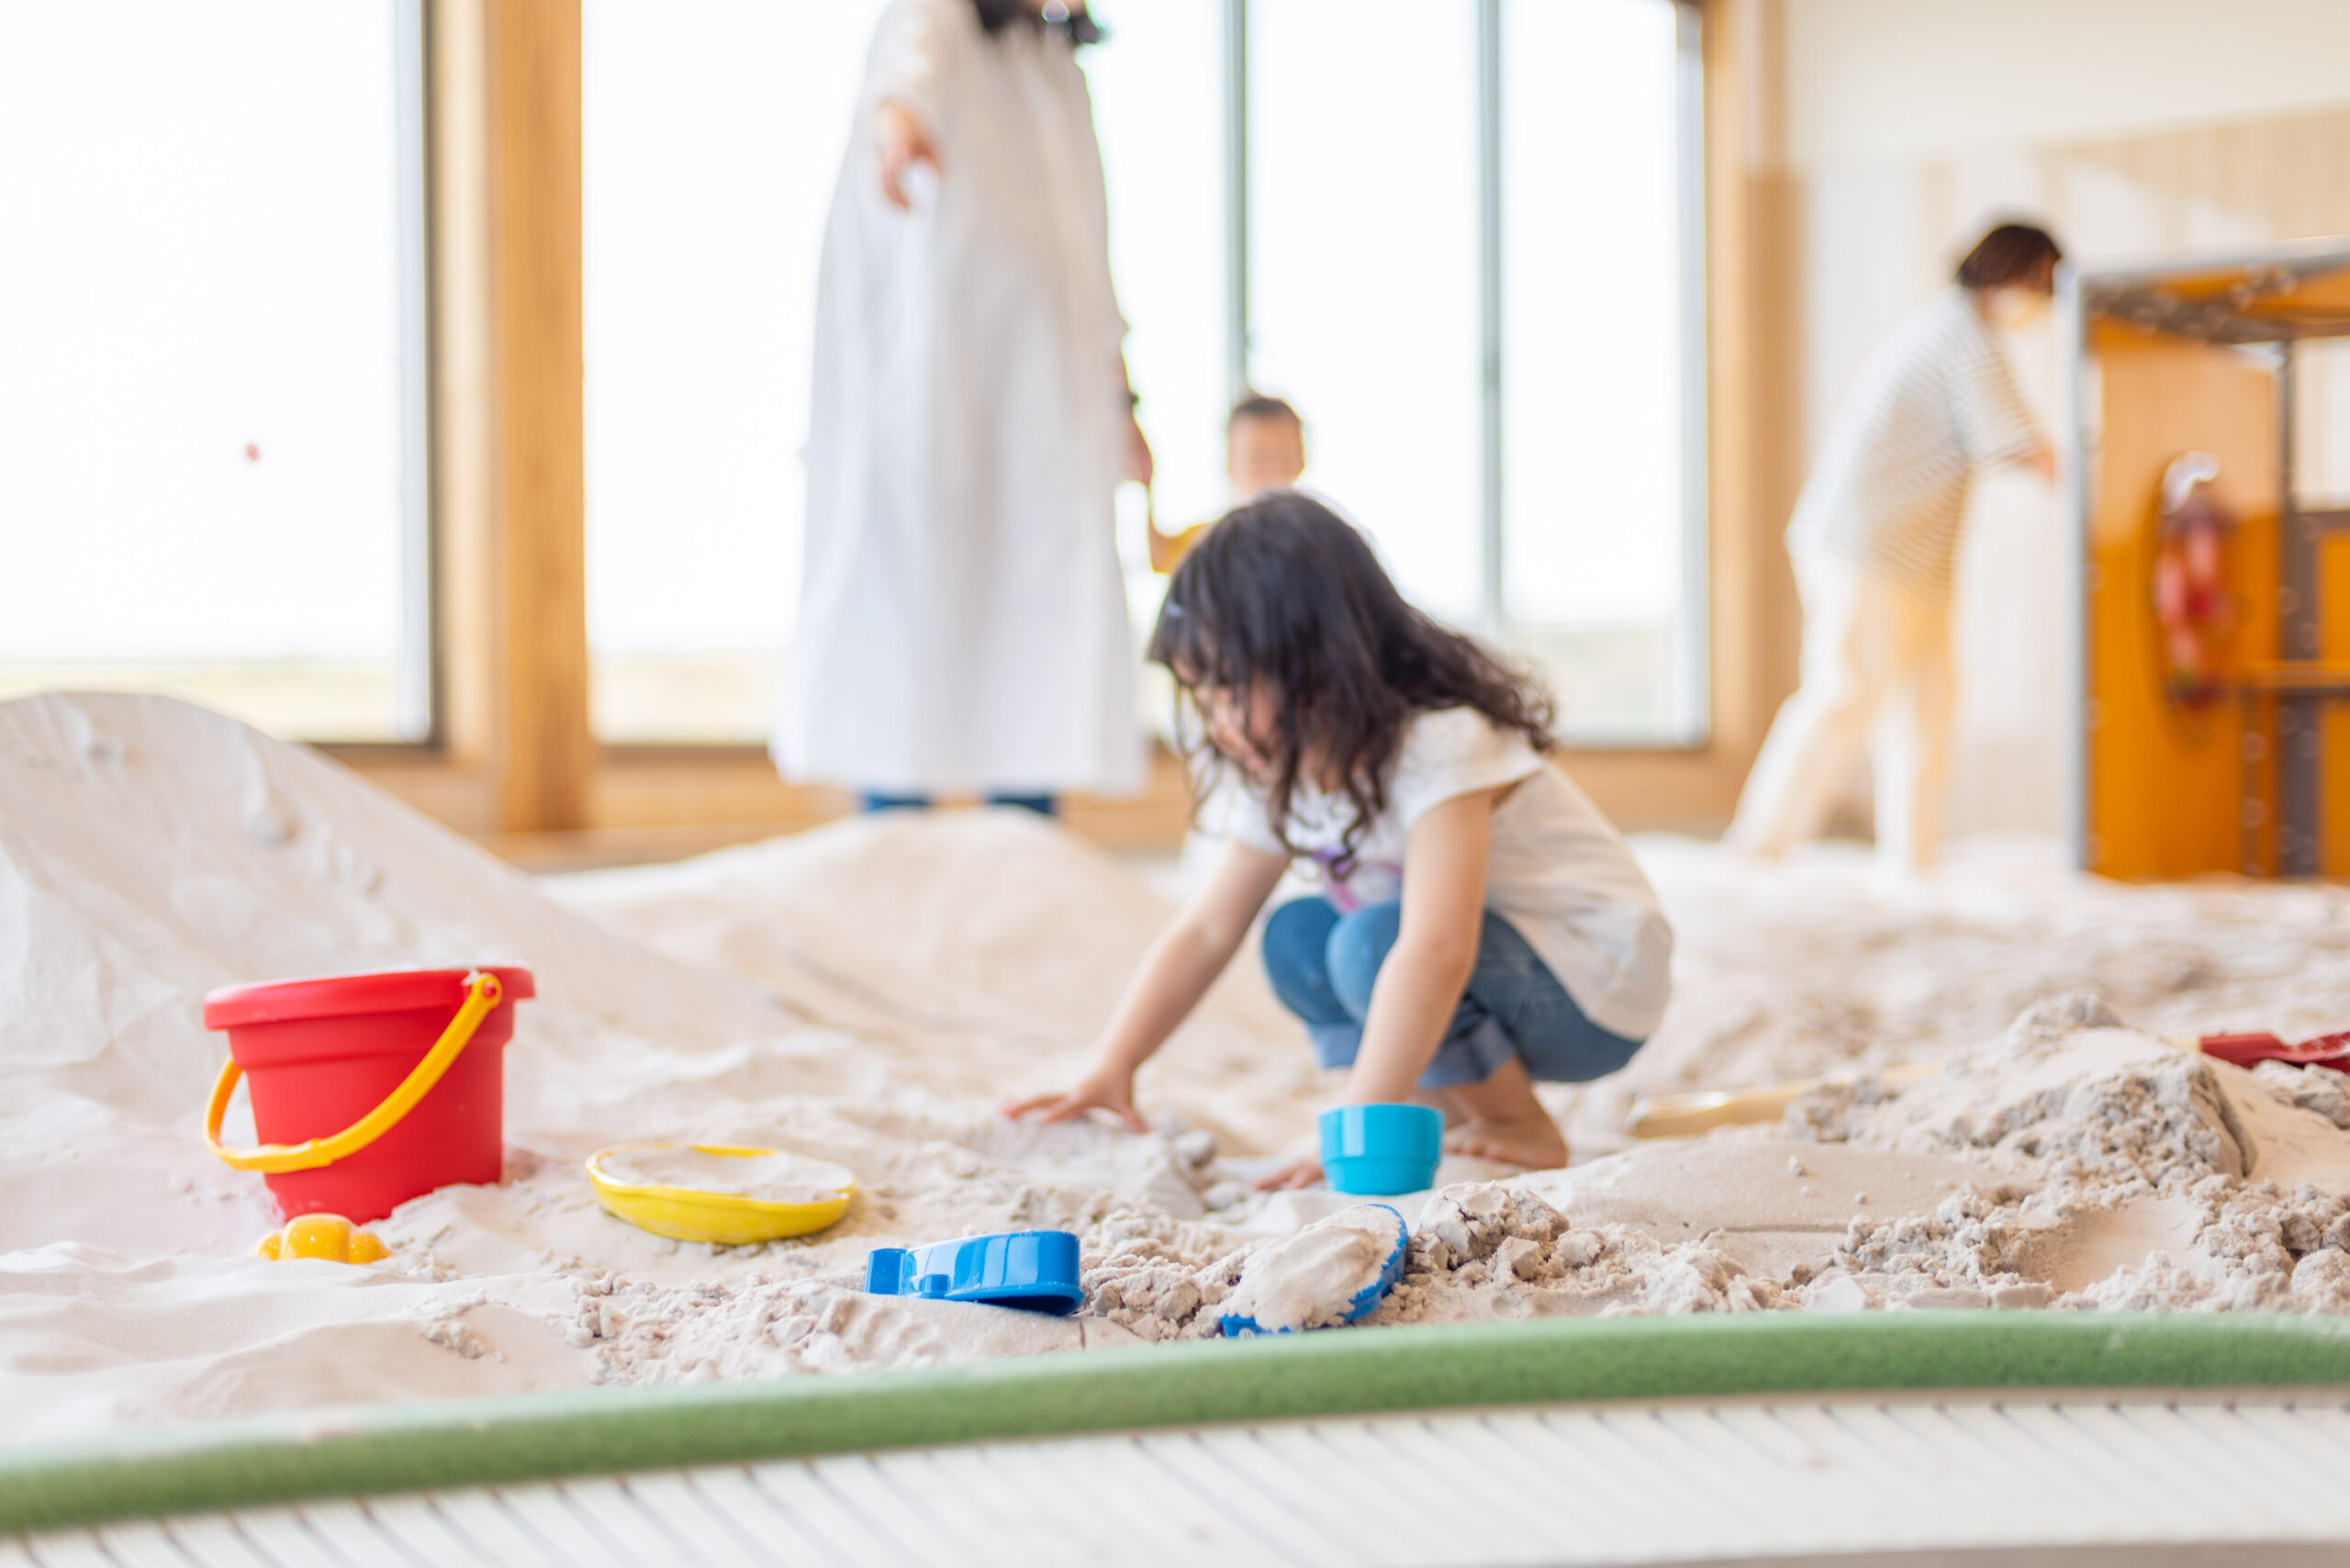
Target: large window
[[212, 404], [1159, 111], [1601, 504], [713, 134], [1460, 236], [1475, 261], [1363, 265], [1157, 88]]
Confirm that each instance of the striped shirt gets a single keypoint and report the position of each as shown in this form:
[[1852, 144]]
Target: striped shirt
[[1888, 494]]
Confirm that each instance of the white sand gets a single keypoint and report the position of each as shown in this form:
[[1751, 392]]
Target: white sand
[[867, 994]]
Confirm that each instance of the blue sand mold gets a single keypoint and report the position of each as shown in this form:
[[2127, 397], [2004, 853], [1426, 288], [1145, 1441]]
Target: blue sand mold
[[1036, 1271], [1366, 1299]]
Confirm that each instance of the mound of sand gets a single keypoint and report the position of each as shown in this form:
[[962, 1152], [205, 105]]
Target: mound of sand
[[868, 993]]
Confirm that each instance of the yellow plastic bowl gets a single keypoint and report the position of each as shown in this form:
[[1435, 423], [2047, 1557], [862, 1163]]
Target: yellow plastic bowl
[[689, 1215]]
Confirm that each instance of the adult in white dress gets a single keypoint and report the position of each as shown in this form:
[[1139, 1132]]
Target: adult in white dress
[[1874, 545], [963, 619]]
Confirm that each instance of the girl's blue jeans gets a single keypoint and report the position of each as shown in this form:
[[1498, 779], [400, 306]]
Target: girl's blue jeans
[[1323, 963]]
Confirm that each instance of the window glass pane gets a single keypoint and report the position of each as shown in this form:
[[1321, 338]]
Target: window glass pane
[[1159, 109], [207, 217], [1593, 363], [1363, 267], [1157, 88], [712, 137]]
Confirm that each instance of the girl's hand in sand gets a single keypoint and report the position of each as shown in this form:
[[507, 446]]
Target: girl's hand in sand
[[1113, 1096], [1305, 1172]]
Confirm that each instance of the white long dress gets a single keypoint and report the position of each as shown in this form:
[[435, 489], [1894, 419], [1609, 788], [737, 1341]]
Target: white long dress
[[963, 619]]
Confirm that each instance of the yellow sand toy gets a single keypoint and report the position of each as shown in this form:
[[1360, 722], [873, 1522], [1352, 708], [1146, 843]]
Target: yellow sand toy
[[1685, 1116], [329, 1236], [720, 1192]]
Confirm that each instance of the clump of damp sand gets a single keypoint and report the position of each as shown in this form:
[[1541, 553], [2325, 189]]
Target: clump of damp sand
[[2075, 1161]]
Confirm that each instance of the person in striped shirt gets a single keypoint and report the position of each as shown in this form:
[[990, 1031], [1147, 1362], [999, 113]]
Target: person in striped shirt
[[1874, 545]]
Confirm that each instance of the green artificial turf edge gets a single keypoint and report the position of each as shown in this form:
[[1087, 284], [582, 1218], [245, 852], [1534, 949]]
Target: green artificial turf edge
[[452, 1443]]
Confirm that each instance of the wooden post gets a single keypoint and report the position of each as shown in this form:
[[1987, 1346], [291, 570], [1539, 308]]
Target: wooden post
[[544, 749], [1735, 530], [462, 393]]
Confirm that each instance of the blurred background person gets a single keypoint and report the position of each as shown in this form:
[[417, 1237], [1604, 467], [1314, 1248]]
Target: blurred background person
[[1874, 543], [963, 621], [1264, 448]]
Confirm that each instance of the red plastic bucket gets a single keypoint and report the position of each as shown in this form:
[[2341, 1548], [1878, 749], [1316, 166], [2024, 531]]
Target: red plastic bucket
[[330, 1061]]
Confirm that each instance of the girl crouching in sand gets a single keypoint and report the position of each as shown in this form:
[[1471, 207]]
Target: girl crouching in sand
[[1480, 925]]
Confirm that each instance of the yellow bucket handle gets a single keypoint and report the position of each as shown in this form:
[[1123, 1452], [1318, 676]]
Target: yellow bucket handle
[[482, 994]]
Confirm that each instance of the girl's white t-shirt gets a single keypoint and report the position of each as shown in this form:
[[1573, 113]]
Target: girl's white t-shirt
[[1558, 870]]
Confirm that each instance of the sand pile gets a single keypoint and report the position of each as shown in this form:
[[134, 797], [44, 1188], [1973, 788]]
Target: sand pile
[[867, 994], [1818, 964], [2172, 1181], [150, 851], [2075, 1162]]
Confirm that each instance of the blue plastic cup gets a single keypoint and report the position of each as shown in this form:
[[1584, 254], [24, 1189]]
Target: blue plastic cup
[[1378, 1150]]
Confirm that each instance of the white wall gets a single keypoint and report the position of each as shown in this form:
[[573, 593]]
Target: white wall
[[1911, 125], [1894, 78]]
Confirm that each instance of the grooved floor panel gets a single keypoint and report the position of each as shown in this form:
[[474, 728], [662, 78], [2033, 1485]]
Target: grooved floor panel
[[2142, 1477]]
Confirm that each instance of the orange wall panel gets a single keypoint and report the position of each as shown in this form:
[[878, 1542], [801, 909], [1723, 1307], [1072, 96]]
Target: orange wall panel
[[2164, 782]]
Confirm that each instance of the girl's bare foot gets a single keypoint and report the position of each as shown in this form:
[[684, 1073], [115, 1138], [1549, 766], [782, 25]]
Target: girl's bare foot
[[1531, 1140], [1501, 1119]]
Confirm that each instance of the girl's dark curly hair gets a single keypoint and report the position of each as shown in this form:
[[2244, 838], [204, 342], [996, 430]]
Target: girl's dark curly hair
[[1283, 595]]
